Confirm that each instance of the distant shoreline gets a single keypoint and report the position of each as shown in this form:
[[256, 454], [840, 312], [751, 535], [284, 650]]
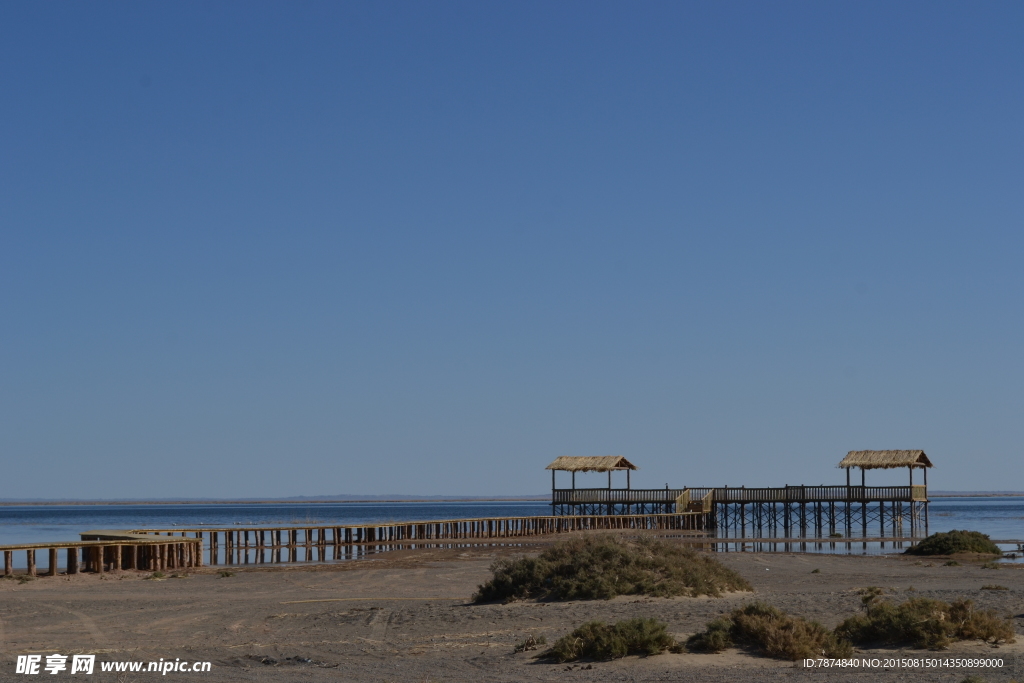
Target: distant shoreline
[[271, 501], [325, 501]]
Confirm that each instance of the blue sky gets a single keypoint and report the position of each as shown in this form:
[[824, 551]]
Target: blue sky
[[276, 249]]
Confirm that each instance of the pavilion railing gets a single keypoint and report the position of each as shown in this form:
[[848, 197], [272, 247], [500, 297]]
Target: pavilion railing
[[686, 498]]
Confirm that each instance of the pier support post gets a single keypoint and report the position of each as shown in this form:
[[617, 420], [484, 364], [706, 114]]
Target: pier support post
[[31, 561], [8, 562], [72, 561], [53, 562]]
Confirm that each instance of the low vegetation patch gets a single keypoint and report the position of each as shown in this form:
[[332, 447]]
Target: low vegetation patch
[[919, 622], [224, 574], [994, 587], [923, 622], [771, 632], [951, 542], [530, 643], [600, 641], [604, 566]]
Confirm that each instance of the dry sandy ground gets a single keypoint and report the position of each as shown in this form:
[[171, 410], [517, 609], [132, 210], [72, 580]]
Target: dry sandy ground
[[405, 616]]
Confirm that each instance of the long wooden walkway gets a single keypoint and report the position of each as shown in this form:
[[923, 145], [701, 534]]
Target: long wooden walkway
[[286, 544]]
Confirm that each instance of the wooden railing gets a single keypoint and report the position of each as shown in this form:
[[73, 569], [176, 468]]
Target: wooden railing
[[687, 499], [614, 496], [821, 494]]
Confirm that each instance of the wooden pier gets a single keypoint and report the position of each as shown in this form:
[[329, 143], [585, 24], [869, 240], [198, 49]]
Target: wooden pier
[[272, 544], [110, 554], [787, 511]]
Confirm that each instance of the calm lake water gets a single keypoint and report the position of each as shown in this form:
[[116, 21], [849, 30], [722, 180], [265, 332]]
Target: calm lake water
[[1000, 518]]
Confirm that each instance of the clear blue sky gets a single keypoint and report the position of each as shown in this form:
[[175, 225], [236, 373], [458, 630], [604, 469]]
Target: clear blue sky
[[252, 249]]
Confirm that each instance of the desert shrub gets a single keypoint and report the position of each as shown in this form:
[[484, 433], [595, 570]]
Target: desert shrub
[[771, 632], [600, 641], [591, 567], [950, 563], [225, 574], [530, 643], [870, 594], [950, 542], [994, 587], [923, 622]]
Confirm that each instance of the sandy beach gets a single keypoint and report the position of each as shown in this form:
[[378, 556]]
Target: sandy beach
[[406, 616]]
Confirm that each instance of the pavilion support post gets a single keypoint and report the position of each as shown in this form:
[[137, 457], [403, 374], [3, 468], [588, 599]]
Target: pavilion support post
[[627, 479], [862, 479], [609, 479], [847, 477], [574, 479], [117, 557]]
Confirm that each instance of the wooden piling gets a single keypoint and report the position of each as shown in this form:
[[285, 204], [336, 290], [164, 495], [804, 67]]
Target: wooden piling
[[53, 562], [31, 561], [72, 567]]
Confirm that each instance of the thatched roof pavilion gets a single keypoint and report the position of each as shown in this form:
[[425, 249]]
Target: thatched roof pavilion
[[588, 463], [883, 460]]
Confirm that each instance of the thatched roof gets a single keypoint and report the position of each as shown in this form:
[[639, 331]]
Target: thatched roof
[[880, 460], [597, 463]]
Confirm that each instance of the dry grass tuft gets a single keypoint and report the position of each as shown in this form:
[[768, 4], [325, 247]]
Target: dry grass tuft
[[593, 567], [599, 641], [771, 632], [923, 622], [530, 643]]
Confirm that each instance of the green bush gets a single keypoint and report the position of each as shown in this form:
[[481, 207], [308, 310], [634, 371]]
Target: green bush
[[600, 641], [950, 542], [923, 622], [771, 632], [589, 567]]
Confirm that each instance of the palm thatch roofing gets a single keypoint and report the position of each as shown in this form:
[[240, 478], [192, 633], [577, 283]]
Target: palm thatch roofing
[[585, 463], [880, 460]]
